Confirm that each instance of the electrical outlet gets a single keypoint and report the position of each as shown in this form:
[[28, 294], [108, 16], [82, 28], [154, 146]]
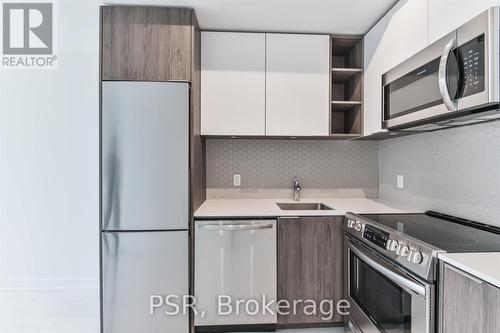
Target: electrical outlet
[[236, 180], [400, 182]]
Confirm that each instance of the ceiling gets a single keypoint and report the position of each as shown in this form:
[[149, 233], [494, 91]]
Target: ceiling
[[321, 16]]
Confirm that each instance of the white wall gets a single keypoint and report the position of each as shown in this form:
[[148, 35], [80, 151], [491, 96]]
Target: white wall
[[454, 171], [49, 141], [49, 161]]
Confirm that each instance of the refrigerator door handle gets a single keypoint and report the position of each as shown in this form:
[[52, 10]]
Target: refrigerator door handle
[[234, 227]]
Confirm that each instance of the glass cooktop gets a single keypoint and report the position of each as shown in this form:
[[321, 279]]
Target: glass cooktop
[[442, 231]]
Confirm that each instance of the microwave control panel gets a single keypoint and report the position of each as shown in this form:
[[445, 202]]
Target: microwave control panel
[[472, 56]]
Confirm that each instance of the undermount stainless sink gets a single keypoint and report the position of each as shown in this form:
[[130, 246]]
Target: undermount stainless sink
[[303, 206]]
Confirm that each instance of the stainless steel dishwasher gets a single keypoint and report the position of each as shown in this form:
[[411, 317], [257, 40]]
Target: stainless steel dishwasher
[[236, 258]]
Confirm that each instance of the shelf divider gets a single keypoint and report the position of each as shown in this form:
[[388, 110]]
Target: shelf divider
[[346, 111]]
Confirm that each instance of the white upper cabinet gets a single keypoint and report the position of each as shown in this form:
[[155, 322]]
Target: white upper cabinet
[[297, 85], [255, 84], [396, 37], [447, 15], [233, 83]]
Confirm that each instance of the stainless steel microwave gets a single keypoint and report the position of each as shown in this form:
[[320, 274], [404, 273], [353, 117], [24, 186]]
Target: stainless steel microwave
[[451, 82]]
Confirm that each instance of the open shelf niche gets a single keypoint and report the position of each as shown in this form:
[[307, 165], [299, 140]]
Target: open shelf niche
[[347, 86]]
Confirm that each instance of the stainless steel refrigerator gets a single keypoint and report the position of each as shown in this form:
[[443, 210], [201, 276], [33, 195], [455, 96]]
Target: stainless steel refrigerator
[[144, 203]]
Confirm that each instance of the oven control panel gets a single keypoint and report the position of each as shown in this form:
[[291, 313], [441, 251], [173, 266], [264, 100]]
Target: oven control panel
[[376, 236], [391, 244]]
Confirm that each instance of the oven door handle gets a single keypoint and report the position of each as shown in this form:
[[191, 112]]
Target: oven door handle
[[398, 279], [442, 79]]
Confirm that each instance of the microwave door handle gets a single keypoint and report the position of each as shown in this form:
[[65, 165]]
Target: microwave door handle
[[442, 80], [395, 277]]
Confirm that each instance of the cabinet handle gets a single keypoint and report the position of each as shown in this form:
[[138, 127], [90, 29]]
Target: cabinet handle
[[396, 278]]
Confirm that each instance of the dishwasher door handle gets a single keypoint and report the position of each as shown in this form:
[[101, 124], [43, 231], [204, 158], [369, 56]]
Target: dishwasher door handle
[[235, 227]]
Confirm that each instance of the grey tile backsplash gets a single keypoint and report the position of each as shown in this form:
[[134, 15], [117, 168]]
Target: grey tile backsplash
[[456, 171], [271, 164]]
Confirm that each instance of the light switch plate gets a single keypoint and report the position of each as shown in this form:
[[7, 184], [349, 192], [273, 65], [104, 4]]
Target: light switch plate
[[236, 180], [400, 182]]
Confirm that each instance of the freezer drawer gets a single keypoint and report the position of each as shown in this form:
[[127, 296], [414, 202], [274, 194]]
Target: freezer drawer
[[145, 155], [136, 265], [238, 259]]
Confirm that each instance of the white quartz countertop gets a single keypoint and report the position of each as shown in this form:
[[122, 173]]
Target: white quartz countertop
[[485, 266], [268, 208]]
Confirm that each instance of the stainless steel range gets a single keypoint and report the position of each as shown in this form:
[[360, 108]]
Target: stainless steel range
[[391, 267]]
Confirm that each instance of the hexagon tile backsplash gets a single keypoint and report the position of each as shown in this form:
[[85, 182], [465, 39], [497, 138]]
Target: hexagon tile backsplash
[[453, 171], [271, 164]]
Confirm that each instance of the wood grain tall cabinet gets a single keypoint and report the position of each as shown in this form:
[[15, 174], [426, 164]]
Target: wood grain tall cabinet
[[147, 43], [158, 44]]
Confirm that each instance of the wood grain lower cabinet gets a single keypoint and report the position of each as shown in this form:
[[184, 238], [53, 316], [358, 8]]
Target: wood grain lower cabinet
[[147, 43], [468, 304], [492, 308], [310, 266], [462, 302]]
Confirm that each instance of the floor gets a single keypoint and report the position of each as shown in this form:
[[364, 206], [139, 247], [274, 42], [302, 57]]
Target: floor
[[63, 311]]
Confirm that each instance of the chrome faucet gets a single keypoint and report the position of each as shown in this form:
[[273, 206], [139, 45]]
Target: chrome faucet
[[296, 189]]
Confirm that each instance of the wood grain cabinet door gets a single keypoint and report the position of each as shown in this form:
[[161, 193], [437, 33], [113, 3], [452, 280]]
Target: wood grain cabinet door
[[310, 265], [146, 43], [462, 302], [492, 309], [468, 303]]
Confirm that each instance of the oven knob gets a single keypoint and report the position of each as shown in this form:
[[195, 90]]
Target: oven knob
[[392, 245], [410, 255], [403, 250], [358, 226], [417, 257]]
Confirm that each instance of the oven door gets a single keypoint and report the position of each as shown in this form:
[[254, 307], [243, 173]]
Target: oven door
[[383, 298]]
